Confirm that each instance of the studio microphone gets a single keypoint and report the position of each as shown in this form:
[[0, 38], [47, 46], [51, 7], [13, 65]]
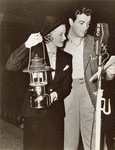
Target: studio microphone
[[101, 35]]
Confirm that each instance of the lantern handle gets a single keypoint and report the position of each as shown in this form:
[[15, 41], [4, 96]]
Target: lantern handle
[[43, 50], [29, 58]]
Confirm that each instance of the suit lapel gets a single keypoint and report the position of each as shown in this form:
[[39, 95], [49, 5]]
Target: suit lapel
[[87, 51], [59, 64], [46, 56]]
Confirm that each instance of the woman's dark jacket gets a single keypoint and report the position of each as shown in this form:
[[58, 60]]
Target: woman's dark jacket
[[61, 83]]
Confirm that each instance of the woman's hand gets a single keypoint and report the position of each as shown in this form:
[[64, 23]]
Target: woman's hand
[[53, 97], [33, 40]]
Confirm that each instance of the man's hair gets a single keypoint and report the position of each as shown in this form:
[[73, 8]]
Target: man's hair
[[82, 10]]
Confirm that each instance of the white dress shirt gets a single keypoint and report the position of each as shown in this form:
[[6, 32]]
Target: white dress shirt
[[52, 58], [77, 53]]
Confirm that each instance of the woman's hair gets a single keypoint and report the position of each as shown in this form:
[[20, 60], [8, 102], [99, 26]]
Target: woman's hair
[[48, 38]]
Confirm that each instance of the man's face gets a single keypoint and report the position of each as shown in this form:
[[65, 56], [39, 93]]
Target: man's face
[[81, 25]]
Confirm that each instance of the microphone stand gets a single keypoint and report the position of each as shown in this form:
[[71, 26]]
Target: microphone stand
[[98, 104]]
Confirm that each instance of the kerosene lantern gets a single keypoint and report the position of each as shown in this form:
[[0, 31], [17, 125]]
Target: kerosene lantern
[[38, 80]]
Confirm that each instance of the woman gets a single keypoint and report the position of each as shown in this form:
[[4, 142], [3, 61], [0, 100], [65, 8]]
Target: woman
[[44, 128]]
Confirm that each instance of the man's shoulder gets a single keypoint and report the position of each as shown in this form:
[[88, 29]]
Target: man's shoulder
[[89, 37], [89, 40]]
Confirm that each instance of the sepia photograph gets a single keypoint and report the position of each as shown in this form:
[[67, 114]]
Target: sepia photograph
[[57, 75]]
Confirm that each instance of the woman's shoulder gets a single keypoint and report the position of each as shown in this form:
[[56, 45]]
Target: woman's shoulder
[[66, 54]]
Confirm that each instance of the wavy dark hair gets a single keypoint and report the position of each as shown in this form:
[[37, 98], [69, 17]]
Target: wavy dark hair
[[81, 10]]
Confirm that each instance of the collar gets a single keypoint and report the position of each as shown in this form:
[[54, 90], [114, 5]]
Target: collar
[[52, 52]]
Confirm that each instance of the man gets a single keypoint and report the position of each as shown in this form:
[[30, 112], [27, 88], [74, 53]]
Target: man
[[44, 128], [81, 103]]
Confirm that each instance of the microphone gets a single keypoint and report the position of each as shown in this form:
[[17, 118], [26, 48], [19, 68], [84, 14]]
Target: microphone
[[101, 35]]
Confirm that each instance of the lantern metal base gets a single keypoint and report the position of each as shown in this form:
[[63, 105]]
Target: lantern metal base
[[40, 107], [40, 102]]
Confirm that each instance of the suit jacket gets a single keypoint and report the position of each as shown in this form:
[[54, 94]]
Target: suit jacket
[[61, 83], [90, 66]]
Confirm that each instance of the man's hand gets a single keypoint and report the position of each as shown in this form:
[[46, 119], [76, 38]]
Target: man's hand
[[33, 40]]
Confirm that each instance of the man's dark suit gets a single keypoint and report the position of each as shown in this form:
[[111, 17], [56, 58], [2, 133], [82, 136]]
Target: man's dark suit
[[52, 118]]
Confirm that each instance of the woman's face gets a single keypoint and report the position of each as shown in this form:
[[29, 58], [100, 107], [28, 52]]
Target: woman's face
[[58, 35]]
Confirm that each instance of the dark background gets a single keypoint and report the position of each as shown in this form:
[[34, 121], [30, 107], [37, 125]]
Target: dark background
[[20, 18]]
